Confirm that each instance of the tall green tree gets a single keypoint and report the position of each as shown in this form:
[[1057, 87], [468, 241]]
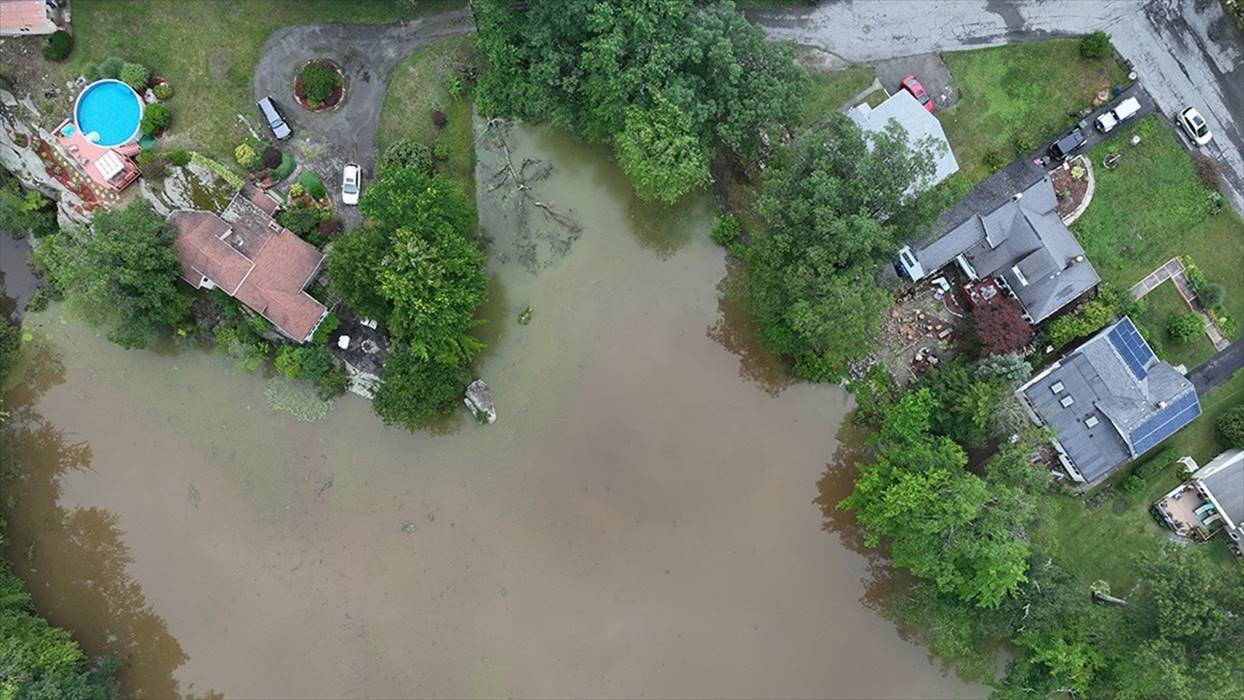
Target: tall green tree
[[666, 81], [121, 274], [415, 391]]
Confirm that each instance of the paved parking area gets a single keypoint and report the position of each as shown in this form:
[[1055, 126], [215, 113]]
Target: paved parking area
[[929, 69]]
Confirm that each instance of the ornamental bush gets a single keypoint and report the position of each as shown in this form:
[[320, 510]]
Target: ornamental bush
[[1186, 328], [111, 67], [407, 153], [1230, 427], [179, 157], [271, 157], [1095, 45], [318, 82], [312, 184], [59, 46], [163, 91], [300, 221], [286, 167], [135, 75], [156, 119], [245, 155], [1211, 295]]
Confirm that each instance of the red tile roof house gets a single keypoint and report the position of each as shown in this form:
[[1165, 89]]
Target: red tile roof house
[[26, 17], [248, 255]]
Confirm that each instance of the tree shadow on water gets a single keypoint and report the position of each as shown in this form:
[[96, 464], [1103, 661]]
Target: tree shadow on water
[[737, 330], [666, 229], [74, 560]]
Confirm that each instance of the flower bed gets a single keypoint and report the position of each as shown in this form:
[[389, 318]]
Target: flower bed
[[1069, 188], [65, 174], [333, 99]]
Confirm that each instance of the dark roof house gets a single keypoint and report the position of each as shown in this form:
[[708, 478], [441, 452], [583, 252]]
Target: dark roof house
[[924, 131], [1109, 401], [1023, 243], [249, 256]]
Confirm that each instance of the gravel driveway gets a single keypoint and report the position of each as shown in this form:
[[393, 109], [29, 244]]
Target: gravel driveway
[[1186, 51], [368, 54]]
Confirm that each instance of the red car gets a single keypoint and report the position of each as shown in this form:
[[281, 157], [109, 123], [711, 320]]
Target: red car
[[910, 84]]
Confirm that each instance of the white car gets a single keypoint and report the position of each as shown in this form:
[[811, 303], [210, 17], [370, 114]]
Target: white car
[[1194, 126], [351, 183]]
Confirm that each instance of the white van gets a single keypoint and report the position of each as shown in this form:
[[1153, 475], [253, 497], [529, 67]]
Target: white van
[[1125, 110]]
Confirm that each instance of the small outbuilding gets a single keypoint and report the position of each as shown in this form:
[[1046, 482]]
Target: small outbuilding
[[1212, 499]]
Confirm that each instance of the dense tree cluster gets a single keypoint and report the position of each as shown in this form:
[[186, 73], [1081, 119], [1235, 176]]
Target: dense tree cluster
[[24, 212], [412, 267], [668, 82], [831, 202], [121, 273]]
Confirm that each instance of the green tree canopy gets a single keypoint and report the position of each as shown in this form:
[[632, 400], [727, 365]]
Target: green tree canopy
[[122, 273], [664, 80], [415, 391]]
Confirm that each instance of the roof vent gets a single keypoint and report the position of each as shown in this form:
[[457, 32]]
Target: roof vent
[[1091, 421], [1017, 196], [1161, 405]]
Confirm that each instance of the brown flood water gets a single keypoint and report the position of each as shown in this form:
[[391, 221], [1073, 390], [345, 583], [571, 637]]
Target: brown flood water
[[643, 519]]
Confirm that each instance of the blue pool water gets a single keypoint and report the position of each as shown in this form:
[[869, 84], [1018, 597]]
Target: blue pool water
[[110, 109]]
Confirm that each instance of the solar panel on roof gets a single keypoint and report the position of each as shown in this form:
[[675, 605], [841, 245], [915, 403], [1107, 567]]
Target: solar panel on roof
[[1166, 423], [1131, 347]]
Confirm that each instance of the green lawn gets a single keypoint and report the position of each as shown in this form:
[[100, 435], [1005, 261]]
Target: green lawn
[[420, 86], [208, 51], [1163, 304], [829, 91], [1019, 89], [1153, 207], [1104, 543]]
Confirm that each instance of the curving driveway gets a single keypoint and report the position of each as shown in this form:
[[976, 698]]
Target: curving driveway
[[1185, 51], [368, 54]]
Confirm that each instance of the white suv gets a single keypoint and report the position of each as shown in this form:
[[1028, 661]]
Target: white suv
[[1194, 126]]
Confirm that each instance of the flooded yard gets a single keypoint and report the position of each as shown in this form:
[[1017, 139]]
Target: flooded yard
[[642, 520]]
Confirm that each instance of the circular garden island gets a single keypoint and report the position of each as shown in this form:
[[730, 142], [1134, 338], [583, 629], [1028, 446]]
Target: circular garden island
[[319, 85]]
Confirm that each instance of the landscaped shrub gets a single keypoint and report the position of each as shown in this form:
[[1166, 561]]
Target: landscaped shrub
[[439, 118], [271, 157], [407, 153], [111, 67], [1088, 319], [325, 330], [1212, 295], [1000, 326], [1230, 426], [163, 91], [1186, 328], [440, 152], [1095, 45], [135, 75], [156, 119], [318, 82], [995, 160], [1155, 464], [179, 157], [246, 157], [151, 163], [296, 190], [329, 226], [225, 174], [312, 184], [286, 167], [300, 221], [59, 46], [313, 362]]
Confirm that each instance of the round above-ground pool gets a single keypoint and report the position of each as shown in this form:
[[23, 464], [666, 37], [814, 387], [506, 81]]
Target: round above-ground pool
[[108, 113]]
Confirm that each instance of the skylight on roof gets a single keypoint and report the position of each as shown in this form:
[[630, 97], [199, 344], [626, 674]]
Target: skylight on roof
[[1057, 387], [1066, 401], [1091, 421]]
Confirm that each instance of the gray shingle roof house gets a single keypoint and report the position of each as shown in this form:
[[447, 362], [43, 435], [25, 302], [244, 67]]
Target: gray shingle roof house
[[918, 122], [1024, 243], [1222, 482], [1109, 401]]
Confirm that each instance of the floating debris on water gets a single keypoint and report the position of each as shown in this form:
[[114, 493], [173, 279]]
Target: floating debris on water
[[524, 317], [408, 527]]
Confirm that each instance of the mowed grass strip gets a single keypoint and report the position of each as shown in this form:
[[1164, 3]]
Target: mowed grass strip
[[208, 50], [829, 91], [1022, 89], [1153, 207], [419, 87]]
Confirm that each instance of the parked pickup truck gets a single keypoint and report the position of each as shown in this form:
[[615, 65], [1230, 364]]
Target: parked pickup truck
[[1122, 112]]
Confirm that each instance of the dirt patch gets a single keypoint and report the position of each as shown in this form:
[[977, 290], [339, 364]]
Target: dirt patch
[[922, 327]]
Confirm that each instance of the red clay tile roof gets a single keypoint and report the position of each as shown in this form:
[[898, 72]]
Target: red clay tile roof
[[202, 253], [282, 269]]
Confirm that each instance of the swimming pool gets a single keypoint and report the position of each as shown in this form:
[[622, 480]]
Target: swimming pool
[[108, 113]]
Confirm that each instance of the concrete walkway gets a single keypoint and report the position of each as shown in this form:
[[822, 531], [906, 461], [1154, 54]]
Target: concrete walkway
[[1186, 52], [1174, 271], [368, 54]]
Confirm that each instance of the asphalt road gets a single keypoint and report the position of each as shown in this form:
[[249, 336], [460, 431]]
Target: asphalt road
[[1218, 369], [1185, 51]]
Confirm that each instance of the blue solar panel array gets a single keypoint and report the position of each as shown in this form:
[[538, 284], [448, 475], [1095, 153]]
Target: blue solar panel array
[[1132, 347], [1166, 423]]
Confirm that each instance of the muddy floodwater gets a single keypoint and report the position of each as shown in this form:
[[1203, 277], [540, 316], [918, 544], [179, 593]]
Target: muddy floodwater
[[642, 520]]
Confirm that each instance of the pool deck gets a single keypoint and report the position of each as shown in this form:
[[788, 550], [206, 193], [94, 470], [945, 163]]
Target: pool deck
[[95, 160]]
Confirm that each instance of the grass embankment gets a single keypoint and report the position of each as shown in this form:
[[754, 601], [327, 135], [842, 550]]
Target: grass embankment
[[208, 51], [420, 86], [1021, 92], [829, 91], [1162, 305], [1104, 543], [1152, 207]]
